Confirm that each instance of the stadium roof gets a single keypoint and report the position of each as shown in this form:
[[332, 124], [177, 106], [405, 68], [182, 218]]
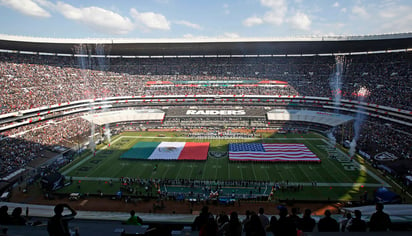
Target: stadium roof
[[124, 116], [181, 47]]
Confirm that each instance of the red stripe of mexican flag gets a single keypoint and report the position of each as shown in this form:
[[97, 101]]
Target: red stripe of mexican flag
[[194, 151]]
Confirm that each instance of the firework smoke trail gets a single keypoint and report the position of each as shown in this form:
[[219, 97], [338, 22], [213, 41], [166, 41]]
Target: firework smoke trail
[[335, 83], [101, 61], [84, 61], [360, 117]]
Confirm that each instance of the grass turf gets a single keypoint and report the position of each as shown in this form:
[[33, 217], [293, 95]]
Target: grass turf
[[107, 163]]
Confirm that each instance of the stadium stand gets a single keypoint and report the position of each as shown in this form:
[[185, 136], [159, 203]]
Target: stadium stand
[[33, 84]]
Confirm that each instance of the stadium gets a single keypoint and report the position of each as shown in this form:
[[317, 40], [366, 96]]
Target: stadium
[[171, 127]]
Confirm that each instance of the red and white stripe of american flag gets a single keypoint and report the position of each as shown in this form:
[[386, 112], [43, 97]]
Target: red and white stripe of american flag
[[277, 152]]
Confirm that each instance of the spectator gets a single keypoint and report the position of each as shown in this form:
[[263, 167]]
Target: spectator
[[4, 215], [58, 224], [345, 222], [272, 224], [380, 221], [210, 228], [284, 226], [234, 227], [357, 224], [307, 223], [254, 226], [222, 222], [246, 220], [201, 219], [328, 224], [17, 218], [294, 216], [264, 220], [133, 219]]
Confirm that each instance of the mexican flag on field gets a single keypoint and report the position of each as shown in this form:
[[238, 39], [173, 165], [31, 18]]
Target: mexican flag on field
[[168, 151]]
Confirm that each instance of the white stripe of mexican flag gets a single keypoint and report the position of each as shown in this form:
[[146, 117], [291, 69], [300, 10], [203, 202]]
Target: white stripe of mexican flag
[[167, 151]]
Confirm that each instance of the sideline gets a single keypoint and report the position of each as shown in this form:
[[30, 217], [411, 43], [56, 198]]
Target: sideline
[[362, 167], [89, 157]]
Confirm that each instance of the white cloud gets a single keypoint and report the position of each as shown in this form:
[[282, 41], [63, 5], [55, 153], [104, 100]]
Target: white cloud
[[360, 11], [96, 18], [226, 9], [300, 21], [188, 24], [230, 35], [344, 10], [204, 37], [275, 15], [253, 20], [26, 7], [277, 12], [273, 3], [150, 20], [336, 4], [396, 19]]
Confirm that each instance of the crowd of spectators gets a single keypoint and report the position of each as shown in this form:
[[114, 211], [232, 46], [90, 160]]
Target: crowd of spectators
[[256, 223], [20, 146], [29, 81], [376, 137], [286, 222]]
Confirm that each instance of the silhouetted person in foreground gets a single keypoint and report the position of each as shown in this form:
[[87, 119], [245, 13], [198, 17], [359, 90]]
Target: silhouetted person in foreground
[[4, 215], [133, 219], [272, 224], [58, 224], [328, 224], [254, 226], [233, 227], [201, 219], [294, 215], [345, 222], [357, 224], [17, 218], [210, 228], [284, 226], [380, 221], [307, 223]]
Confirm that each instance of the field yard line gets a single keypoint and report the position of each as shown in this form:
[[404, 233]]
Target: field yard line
[[339, 169], [292, 172], [362, 167], [253, 168], [227, 163], [191, 171], [89, 157], [203, 171], [164, 174], [290, 183], [267, 174], [177, 174], [208, 140]]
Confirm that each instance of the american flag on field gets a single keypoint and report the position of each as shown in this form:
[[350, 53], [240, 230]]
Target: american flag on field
[[276, 152]]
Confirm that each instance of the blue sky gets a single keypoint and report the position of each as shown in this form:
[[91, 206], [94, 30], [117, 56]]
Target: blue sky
[[202, 19]]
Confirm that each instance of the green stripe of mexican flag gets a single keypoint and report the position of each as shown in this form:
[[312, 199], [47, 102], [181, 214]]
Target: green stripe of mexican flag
[[168, 151]]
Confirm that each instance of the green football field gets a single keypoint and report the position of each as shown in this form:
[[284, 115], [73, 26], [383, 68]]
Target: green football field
[[337, 177]]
